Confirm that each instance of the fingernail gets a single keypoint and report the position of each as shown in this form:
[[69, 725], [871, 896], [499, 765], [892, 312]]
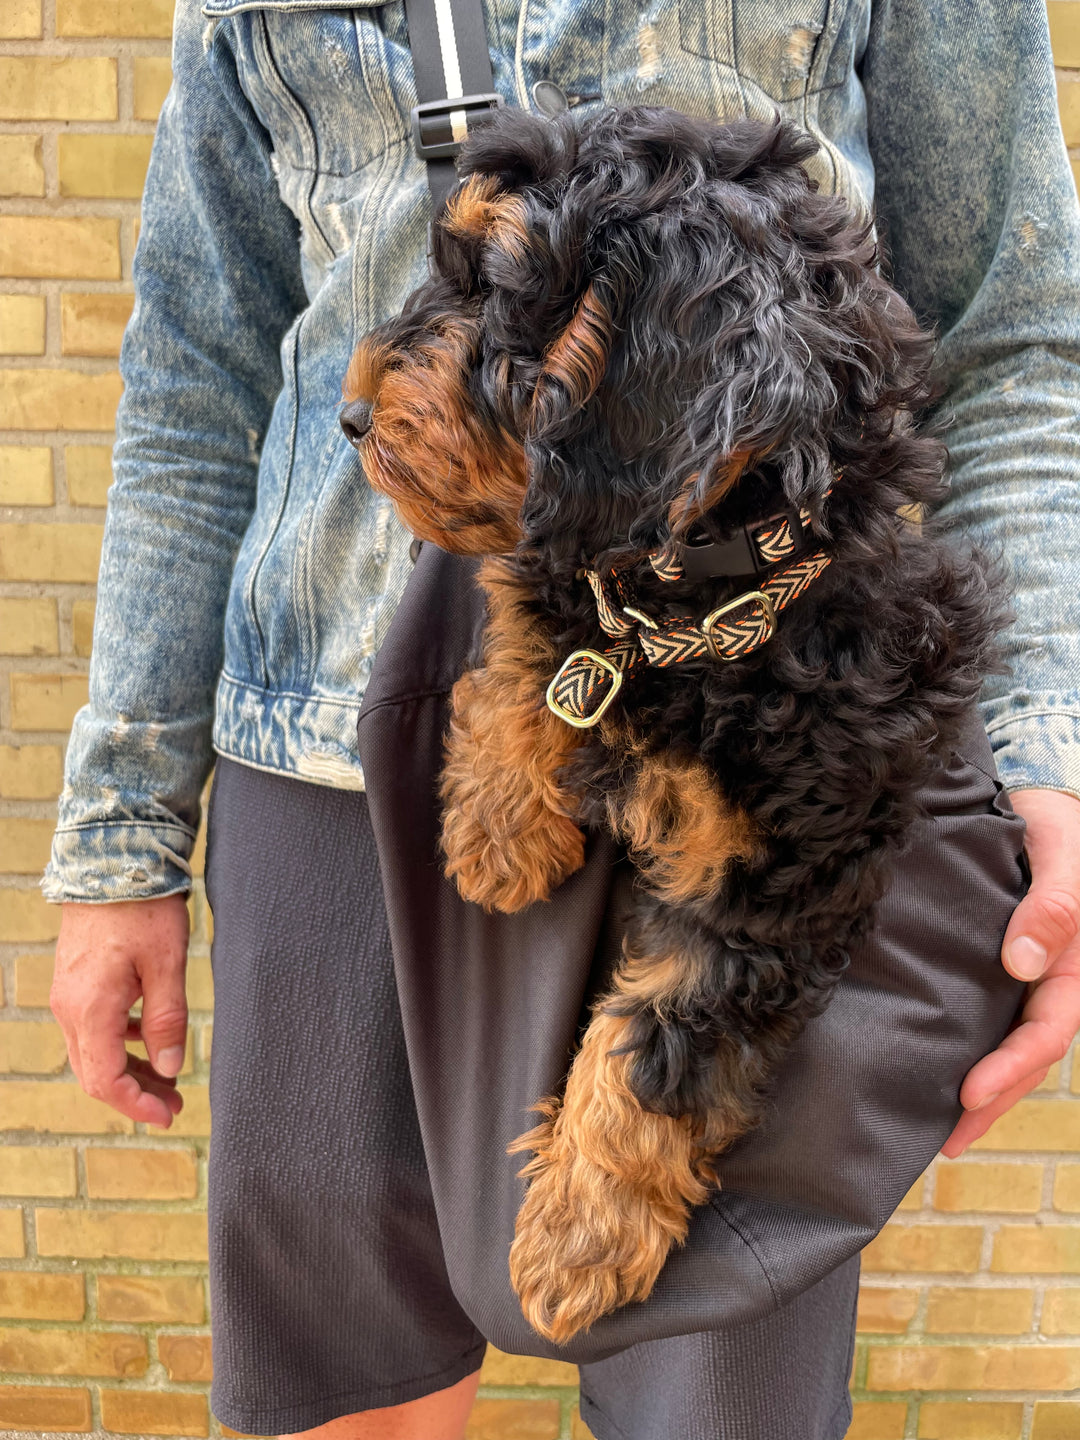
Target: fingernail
[[170, 1060], [986, 1100], [1027, 958]]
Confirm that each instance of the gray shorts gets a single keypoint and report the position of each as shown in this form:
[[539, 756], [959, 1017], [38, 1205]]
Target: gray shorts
[[329, 1286]]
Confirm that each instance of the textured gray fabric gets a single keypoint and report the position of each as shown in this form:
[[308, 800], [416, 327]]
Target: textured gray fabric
[[329, 1292], [491, 1005]]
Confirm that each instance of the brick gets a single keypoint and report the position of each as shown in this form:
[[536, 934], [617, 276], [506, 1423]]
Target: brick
[[31, 1047], [1037, 1249], [30, 772], [22, 325], [1065, 32], [578, 1429], [144, 1299], [21, 168], [1051, 1082], [57, 1107], [121, 1234], [514, 1420], [152, 1412], [26, 475], [12, 1236], [186, 1357], [50, 87], [29, 627], [89, 473], [58, 400], [142, 19], [113, 1174], [1068, 90], [24, 916], [1055, 1420], [974, 1367], [46, 702], [1067, 1188], [110, 166], [1061, 1312], [886, 1311], [82, 627], [1035, 1125], [37, 1170], [20, 20], [913, 1200], [200, 983], [33, 978], [25, 1295], [969, 1420], [72, 1352], [876, 1420], [93, 324], [153, 76], [34, 247], [1076, 173], [194, 1118], [66, 552], [44, 1407], [24, 845], [924, 1248], [969, 1311], [502, 1369]]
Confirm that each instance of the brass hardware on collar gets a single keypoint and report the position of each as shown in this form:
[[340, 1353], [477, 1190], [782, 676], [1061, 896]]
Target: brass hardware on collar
[[584, 722], [748, 597], [640, 617]]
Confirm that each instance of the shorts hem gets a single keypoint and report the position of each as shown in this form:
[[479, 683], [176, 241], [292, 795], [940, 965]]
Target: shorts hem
[[307, 1414], [602, 1427]]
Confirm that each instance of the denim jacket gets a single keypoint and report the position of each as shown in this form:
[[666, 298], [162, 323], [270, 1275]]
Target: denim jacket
[[249, 574]]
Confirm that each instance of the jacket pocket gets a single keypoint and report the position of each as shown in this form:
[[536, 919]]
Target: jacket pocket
[[775, 43]]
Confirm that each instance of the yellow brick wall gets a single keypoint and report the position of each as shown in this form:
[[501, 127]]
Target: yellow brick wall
[[970, 1319]]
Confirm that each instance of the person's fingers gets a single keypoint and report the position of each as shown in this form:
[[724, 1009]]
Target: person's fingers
[[973, 1124], [163, 1025], [1047, 1024], [1047, 920]]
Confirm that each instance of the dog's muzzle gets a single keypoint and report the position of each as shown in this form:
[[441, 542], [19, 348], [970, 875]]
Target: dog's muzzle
[[355, 420]]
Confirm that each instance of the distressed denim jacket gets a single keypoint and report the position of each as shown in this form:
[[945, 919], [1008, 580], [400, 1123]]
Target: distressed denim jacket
[[249, 574]]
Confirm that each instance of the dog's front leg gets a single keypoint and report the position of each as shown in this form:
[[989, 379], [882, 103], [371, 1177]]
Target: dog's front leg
[[509, 833]]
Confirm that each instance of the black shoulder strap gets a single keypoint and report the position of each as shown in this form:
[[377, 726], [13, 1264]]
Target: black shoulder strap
[[454, 83]]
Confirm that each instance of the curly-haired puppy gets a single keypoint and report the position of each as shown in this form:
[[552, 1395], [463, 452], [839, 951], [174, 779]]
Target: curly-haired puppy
[[656, 378]]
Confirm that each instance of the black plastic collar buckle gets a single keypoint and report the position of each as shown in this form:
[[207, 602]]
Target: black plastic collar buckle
[[741, 555], [433, 123]]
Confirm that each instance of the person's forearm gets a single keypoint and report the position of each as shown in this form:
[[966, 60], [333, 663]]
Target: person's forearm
[[218, 282]]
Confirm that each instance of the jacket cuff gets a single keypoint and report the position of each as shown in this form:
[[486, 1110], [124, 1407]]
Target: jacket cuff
[[125, 860], [1036, 741]]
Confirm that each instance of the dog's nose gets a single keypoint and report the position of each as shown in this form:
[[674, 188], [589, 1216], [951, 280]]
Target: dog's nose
[[355, 420]]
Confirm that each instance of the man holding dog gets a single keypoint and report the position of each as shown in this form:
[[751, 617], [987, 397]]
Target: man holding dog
[[274, 229]]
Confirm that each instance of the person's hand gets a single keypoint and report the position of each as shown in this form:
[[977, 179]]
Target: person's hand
[[1042, 946], [108, 956]]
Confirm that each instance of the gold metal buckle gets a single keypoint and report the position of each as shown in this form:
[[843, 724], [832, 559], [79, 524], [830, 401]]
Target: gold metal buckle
[[757, 596], [587, 721]]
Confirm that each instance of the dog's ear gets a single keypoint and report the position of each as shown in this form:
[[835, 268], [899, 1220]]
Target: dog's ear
[[480, 213], [572, 366]]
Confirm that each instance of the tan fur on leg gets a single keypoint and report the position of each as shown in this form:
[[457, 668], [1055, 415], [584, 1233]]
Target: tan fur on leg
[[611, 1185], [681, 831], [508, 830]]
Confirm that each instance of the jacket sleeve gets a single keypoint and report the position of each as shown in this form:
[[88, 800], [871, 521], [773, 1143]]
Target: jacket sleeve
[[977, 207], [217, 283]]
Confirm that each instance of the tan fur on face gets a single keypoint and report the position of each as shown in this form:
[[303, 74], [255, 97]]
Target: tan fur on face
[[451, 480], [508, 832], [481, 211]]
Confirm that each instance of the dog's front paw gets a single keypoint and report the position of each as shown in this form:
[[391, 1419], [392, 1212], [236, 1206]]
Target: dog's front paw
[[603, 1208], [507, 869]]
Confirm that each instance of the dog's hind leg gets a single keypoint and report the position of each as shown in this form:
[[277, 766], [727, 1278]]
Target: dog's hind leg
[[509, 833]]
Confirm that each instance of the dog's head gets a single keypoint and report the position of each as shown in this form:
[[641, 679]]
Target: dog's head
[[626, 318]]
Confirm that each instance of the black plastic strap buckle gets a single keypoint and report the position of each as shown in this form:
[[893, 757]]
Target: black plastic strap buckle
[[741, 554], [433, 127]]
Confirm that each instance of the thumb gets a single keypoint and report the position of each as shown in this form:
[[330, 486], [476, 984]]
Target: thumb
[[164, 1018], [1047, 920]]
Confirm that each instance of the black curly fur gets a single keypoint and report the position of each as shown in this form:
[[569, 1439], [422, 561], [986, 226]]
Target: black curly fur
[[748, 315]]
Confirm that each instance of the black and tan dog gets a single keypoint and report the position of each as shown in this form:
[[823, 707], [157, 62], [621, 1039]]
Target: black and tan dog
[[657, 380]]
